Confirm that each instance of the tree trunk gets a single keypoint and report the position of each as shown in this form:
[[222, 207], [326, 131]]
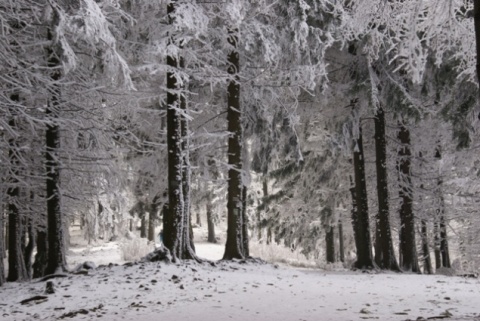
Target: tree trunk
[[442, 226], [152, 217], [234, 247], [29, 248], [246, 249], [210, 223], [260, 222], [176, 223], [56, 242], [341, 245], [476, 19], [354, 214], [427, 261], [6, 236], [143, 225], [16, 263], [361, 220], [269, 234], [188, 251], [330, 244], [408, 247], [2, 247], [384, 252], [444, 252], [198, 219], [436, 244], [41, 257]]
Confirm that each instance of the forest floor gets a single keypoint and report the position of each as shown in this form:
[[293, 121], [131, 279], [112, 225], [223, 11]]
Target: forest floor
[[250, 290]]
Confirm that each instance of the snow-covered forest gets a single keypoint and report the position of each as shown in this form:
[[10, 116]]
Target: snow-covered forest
[[345, 131]]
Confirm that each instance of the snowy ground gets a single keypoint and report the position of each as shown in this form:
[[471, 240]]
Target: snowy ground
[[235, 291]]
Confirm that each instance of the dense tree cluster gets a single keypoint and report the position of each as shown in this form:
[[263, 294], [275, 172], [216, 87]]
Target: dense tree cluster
[[356, 120]]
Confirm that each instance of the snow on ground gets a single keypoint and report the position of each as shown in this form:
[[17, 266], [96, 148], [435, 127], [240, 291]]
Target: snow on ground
[[235, 291]]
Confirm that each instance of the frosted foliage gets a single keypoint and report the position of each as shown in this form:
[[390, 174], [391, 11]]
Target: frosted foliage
[[409, 31], [58, 17], [189, 16], [89, 26], [252, 34], [236, 12]]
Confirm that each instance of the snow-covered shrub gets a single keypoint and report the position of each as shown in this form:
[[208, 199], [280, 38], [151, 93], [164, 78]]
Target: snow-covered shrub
[[135, 249], [337, 266], [275, 253]]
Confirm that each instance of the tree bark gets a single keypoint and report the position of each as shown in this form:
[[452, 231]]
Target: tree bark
[[143, 225], [152, 218], [436, 244], [442, 226], [41, 257], [198, 219], [260, 222], [177, 219], [56, 242], [246, 249], [188, 252], [476, 18], [408, 249], [210, 224], [2, 247], [29, 248], [361, 220], [16, 264], [330, 244], [384, 252], [427, 260], [6, 236], [341, 246], [444, 251], [234, 247]]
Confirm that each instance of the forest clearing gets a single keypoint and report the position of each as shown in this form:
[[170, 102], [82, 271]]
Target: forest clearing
[[235, 291]]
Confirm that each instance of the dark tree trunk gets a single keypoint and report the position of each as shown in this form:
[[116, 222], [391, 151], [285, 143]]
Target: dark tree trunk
[[341, 245], [198, 219], [151, 227], [384, 252], [41, 257], [476, 18], [427, 261], [210, 223], [234, 247], [269, 234], [361, 220], [29, 249], [444, 252], [330, 244], [176, 223], [171, 232], [152, 217], [436, 244], [354, 213], [2, 247], [6, 237], [143, 225], [408, 247], [16, 230], [188, 251], [56, 242], [442, 226], [260, 222], [246, 249]]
